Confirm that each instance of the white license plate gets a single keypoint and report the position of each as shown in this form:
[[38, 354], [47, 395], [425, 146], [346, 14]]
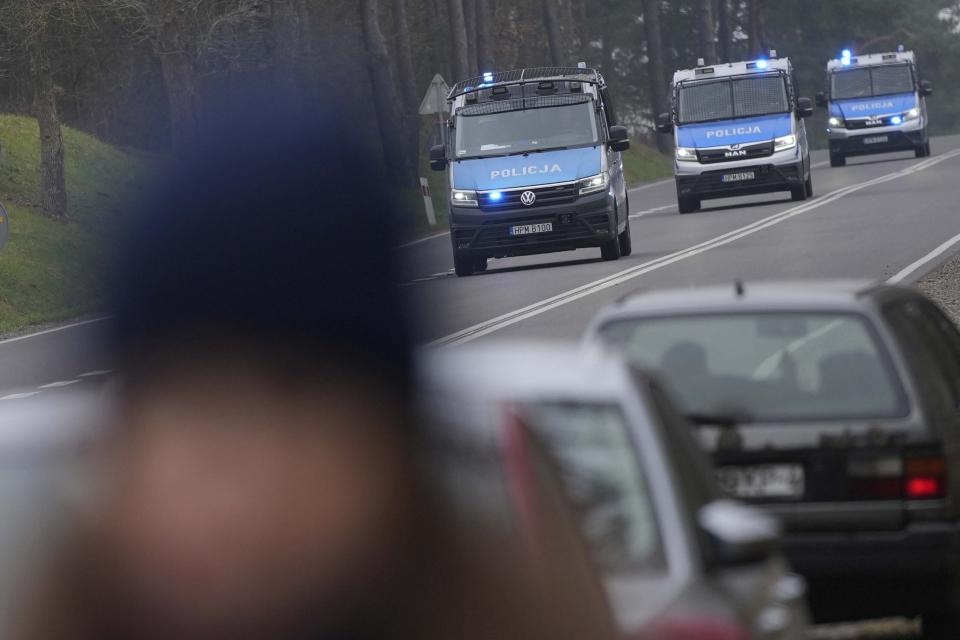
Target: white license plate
[[763, 481], [876, 139], [738, 177], [527, 229]]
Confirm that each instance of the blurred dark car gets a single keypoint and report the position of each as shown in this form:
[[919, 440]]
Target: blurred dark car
[[836, 406], [679, 561]]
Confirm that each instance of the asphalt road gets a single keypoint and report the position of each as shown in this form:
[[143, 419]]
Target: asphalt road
[[875, 218], [880, 217]]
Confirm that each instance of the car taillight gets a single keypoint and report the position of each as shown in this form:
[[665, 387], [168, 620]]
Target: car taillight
[[925, 478], [875, 477], [682, 628]]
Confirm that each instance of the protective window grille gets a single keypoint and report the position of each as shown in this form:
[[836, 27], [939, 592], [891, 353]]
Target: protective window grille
[[520, 104], [533, 74], [759, 96], [705, 101], [851, 84], [893, 79]]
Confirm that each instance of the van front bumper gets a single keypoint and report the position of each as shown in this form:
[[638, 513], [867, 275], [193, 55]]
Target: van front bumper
[[768, 178], [858, 142], [588, 221]]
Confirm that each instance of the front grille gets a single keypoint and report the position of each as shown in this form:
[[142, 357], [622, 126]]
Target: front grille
[[745, 152], [866, 124], [766, 175], [546, 196], [497, 236]]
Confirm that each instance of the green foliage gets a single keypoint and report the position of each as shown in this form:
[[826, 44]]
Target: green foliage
[[643, 163], [52, 269]]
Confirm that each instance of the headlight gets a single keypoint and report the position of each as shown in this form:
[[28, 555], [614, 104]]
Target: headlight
[[685, 154], [594, 184], [784, 143], [463, 198], [835, 122], [913, 114]]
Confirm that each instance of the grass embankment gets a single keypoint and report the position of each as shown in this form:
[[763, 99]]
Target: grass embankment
[[642, 163], [55, 269]]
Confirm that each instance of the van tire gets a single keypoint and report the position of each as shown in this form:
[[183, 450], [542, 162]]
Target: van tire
[[688, 205], [808, 186], [920, 151], [927, 146], [610, 249], [625, 242], [838, 160], [798, 194], [464, 266]]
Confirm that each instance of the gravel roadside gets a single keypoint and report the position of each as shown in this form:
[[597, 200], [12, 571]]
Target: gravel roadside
[[943, 286]]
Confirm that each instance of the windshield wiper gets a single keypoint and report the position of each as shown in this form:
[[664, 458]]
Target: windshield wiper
[[722, 420], [529, 151]]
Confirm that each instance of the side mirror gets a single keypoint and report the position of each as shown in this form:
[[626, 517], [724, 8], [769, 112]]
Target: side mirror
[[926, 88], [821, 99], [619, 138], [438, 157], [741, 534], [804, 107], [664, 123]]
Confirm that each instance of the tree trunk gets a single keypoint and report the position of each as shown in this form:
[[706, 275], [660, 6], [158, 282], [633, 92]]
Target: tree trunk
[[724, 32], [658, 82], [458, 40], [180, 81], [756, 28], [551, 18], [583, 34], [708, 44], [53, 177], [385, 99], [408, 82], [470, 22], [485, 59], [287, 31]]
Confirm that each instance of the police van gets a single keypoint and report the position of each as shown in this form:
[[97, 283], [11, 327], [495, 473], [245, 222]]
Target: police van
[[876, 105], [534, 166], [739, 130]]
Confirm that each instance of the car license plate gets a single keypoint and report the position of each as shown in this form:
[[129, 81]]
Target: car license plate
[[738, 177], [527, 229], [876, 139], [763, 481]]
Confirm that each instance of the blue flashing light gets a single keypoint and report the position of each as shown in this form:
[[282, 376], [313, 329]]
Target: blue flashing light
[[487, 76], [496, 196], [761, 64], [896, 120], [846, 53], [845, 62]]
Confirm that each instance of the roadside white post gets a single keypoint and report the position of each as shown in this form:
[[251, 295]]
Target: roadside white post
[[428, 201]]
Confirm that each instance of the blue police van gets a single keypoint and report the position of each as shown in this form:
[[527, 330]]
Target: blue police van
[[739, 130], [876, 105], [534, 166]]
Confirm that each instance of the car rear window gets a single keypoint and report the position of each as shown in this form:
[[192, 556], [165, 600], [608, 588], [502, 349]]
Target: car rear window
[[604, 481], [767, 367]]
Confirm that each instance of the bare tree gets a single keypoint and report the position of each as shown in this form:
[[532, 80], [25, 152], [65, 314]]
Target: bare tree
[[384, 95], [470, 22], [552, 20], [407, 80], [724, 31], [485, 59], [458, 39], [651, 23], [756, 28], [707, 29], [287, 25]]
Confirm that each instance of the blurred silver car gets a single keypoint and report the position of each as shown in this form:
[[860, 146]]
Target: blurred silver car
[[678, 560]]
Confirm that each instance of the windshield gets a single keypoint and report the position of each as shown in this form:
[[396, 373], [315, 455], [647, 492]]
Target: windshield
[[767, 367], [602, 476], [520, 126], [871, 81], [726, 99]]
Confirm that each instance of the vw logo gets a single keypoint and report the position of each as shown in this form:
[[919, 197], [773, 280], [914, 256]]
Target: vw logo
[[528, 198]]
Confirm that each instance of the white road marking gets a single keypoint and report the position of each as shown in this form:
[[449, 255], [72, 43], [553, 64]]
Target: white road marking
[[650, 185], [419, 240], [19, 396], [53, 330], [822, 163], [59, 384], [647, 212], [94, 374], [513, 317], [913, 267]]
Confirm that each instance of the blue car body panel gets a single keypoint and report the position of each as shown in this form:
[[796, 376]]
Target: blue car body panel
[[510, 172], [875, 106], [740, 131]]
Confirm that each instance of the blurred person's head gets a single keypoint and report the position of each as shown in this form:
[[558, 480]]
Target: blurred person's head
[[262, 463]]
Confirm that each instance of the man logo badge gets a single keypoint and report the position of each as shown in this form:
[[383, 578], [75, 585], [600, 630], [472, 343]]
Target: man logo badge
[[528, 198]]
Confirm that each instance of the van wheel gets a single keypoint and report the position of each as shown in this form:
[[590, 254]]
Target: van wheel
[[465, 265], [838, 160], [688, 205], [808, 186], [920, 151], [928, 148], [798, 194], [625, 242], [610, 249], [481, 265]]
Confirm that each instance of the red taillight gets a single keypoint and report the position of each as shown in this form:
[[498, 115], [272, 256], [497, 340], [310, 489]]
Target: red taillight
[[696, 629], [925, 478]]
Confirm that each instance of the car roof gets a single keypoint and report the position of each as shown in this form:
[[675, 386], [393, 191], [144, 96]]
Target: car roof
[[840, 295], [526, 370]]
